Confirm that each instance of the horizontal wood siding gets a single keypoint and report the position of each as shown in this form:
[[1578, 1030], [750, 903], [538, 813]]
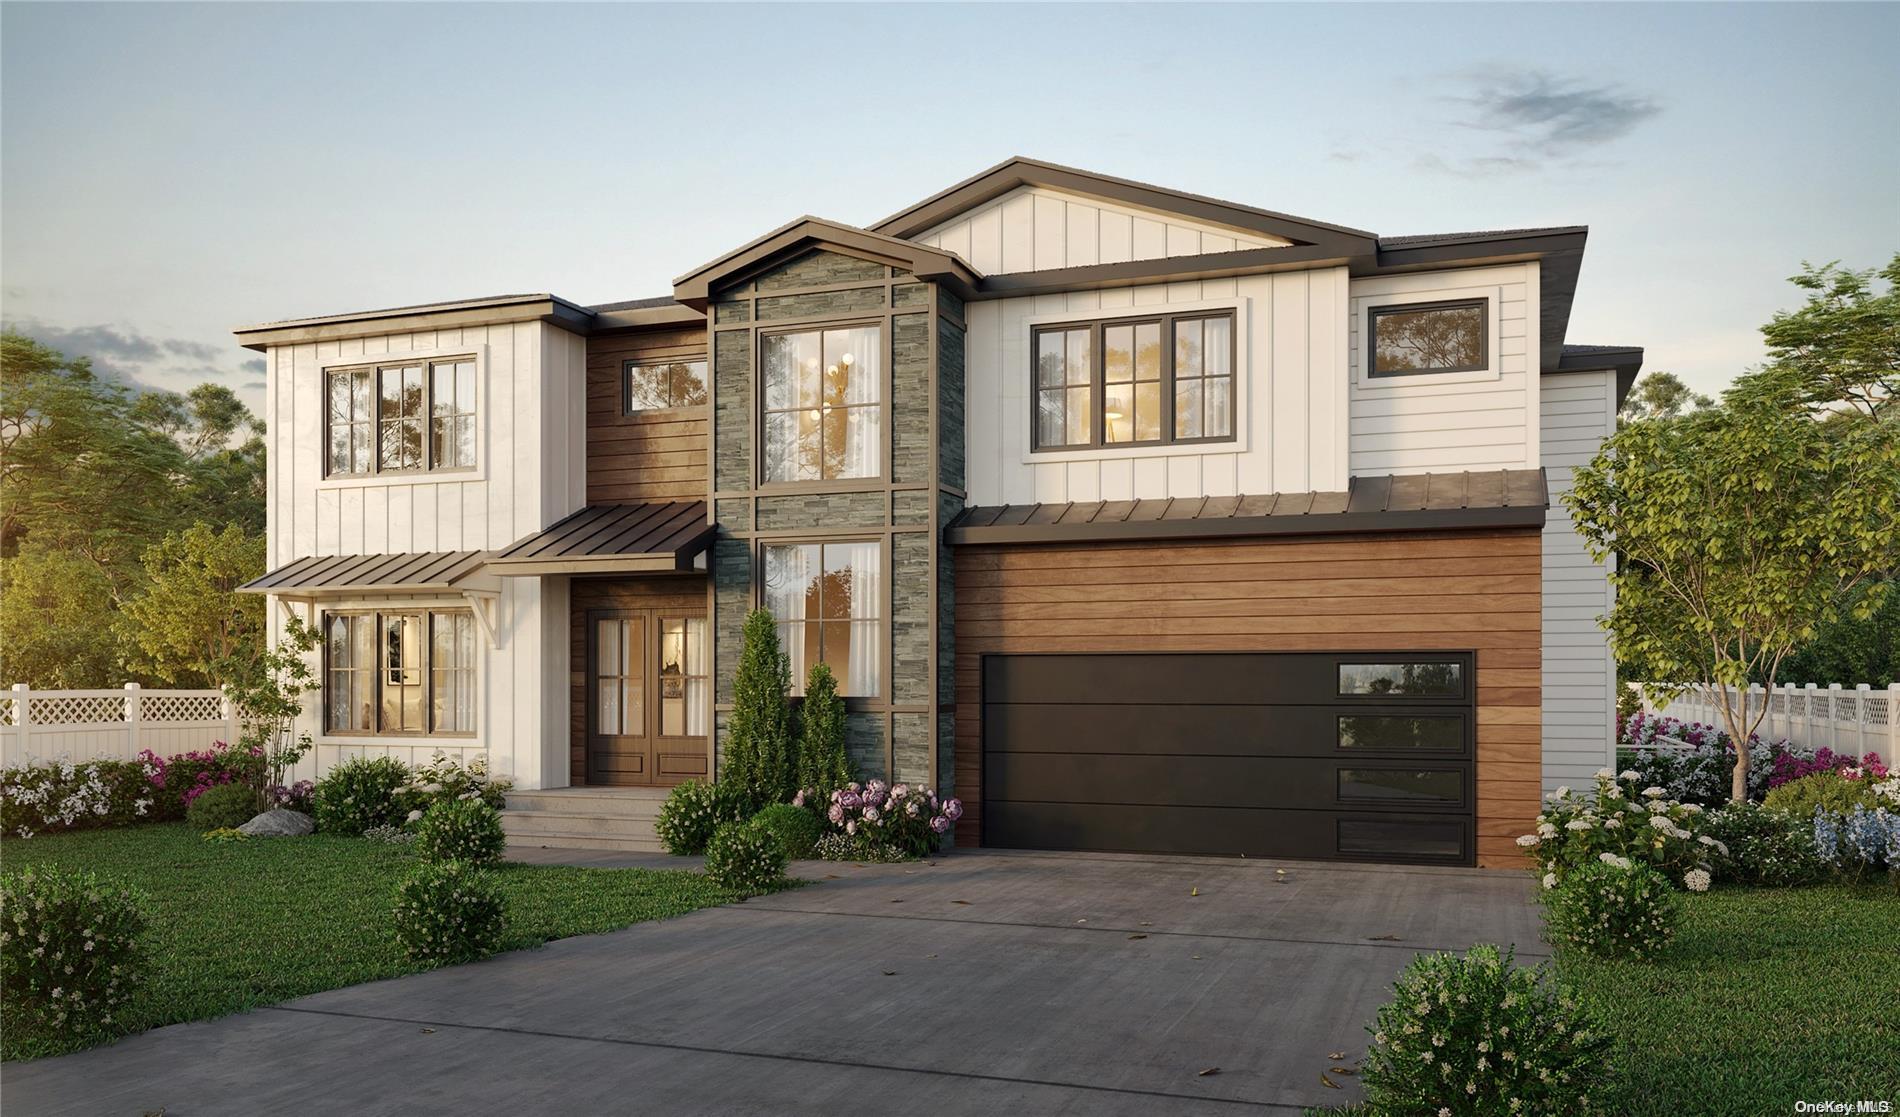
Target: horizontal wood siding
[[684, 593], [1472, 590], [655, 455]]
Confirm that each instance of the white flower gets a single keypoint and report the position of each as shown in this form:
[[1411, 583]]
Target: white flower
[[413, 815], [1696, 880], [1629, 774], [1613, 859], [1661, 822], [1527, 840], [1546, 830], [1653, 793], [1612, 823], [1605, 774], [1550, 881], [1578, 824]]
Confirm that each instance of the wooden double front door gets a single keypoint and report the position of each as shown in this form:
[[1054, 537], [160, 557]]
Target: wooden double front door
[[647, 701]]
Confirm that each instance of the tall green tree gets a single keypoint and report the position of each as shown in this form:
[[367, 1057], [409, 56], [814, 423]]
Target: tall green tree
[[190, 617], [760, 753], [1743, 529], [823, 765], [56, 622], [1842, 347], [1661, 395]]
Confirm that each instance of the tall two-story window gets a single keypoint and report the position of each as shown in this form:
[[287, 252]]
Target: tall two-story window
[[823, 404], [1134, 382], [660, 385], [406, 417], [408, 672], [827, 598]]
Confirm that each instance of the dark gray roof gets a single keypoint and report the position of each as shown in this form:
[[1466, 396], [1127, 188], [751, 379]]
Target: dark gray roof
[[1417, 239], [1574, 350], [1411, 502], [333, 574], [635, 304], [604, 538]]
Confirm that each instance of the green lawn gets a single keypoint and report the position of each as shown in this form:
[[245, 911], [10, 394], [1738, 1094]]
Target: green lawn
[[235, 925], [1767, 997]]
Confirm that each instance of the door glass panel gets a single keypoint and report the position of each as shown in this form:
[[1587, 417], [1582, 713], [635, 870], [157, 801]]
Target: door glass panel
[[683, 677], [1443, 733], [619, 677], [1402, 785]]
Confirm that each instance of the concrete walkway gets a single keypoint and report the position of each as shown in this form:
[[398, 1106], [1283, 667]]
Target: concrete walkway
[[979, 982]]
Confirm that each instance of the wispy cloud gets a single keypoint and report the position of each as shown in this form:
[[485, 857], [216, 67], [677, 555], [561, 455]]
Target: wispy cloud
[[1556, 115], [139, 359]]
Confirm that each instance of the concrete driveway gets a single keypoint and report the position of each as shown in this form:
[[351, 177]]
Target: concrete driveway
[[980, 982]]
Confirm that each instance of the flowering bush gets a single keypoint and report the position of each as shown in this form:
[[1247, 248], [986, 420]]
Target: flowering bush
[[465, 830], [1474, 1035], [909, 819], [1859, 841], [360, 793], [296, 797], [227, 805], [1790, 767], [1762, 847], [1617, 908], [1577, 830], [63, 795], [447, 778], [796, 828], [70, 954], [1704, 772], [840, 846], [178, 780], [1834, 791], [448, 912], [390, 835], [692, 811], [745, 856]]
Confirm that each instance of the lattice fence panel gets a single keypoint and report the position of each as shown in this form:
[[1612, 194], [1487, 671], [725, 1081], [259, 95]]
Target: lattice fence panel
[[76, 711], [8, 708], [181, 707]]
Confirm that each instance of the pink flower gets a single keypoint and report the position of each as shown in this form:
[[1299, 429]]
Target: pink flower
[[953, 809], [899, 791], [851, 827], [798, 800], [870, 814], [836, 814]]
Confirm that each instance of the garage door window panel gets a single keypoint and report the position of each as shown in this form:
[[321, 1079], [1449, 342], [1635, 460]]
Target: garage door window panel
[[1402, 732], [1402, 678], [1403, 839], [1409, 786]]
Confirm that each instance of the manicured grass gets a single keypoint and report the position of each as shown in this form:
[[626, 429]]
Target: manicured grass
[[1767, 997], [235, 925]]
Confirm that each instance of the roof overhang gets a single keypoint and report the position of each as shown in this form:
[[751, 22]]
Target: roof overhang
[[352, 575], [1021, 171], [655, 538], [1624, 360], [695, 288], [1417, 502], [1559, 253], [493, 311]]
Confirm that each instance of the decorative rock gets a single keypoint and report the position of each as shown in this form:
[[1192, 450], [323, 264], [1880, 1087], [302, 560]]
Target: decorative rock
[[279, 823]]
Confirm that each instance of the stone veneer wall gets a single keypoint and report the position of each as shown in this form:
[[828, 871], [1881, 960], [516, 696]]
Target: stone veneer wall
[[893, 735]]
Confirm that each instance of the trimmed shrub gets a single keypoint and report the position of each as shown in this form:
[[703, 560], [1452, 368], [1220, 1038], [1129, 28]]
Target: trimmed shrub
[[1616, 908], [63, 795], [1475, 1036], [796, 829], [448, 912], [823, 765], [360, 793], [1828, 791], [178, 779], [692, 811], [70, 955], [1762, 847], [224, 807], [445, 777], [1619, 817], [758, 767], [465, 830], [744, 856], [839, 846]]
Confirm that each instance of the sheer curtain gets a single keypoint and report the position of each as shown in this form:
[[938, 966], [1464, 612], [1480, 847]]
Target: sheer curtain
[[791, 577], [862, 674], [854, 375]]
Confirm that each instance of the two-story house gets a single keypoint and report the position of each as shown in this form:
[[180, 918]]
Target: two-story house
[[1137, 519]]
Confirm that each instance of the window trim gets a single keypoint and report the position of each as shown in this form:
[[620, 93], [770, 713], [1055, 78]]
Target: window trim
[[373, 363], [1374, 313], [426, 669], [1166, 315], [628, 364], [761, 469]]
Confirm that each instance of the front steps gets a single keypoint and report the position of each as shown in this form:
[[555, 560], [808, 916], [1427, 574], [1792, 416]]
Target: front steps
[[616, 818]]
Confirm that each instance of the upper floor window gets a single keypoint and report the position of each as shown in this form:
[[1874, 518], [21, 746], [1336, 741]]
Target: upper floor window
[[400, 418], [658, 385], [1428, 337], [823, 412], [1135, 381]]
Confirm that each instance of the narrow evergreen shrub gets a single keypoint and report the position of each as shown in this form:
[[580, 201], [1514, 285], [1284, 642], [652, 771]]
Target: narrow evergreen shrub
[[1476, 1036], [70, 951], [360, 793], [744, 856], [796, 829], [465, 830], [692, 811], [758, 765], [1615, 908], [448, 912], [823, 765], [224, 807]]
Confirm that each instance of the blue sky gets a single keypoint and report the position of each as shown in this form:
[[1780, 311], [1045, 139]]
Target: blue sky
[[170, 171]]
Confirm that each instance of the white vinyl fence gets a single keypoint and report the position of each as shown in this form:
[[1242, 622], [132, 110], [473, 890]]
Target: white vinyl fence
[[1856, 720], [39, 725]]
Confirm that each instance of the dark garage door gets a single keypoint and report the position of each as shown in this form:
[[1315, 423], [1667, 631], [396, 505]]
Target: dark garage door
[[1307, 755]]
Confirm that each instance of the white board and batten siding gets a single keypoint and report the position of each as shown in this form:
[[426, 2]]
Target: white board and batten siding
[[530, 471], [1579, 412], [1449, 422], [1033, 228], [1290, 395]]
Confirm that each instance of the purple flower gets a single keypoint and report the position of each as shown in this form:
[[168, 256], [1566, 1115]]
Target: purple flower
[[953, 809], [850, 800], [870, 814], [940, 824], [899, 791]]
